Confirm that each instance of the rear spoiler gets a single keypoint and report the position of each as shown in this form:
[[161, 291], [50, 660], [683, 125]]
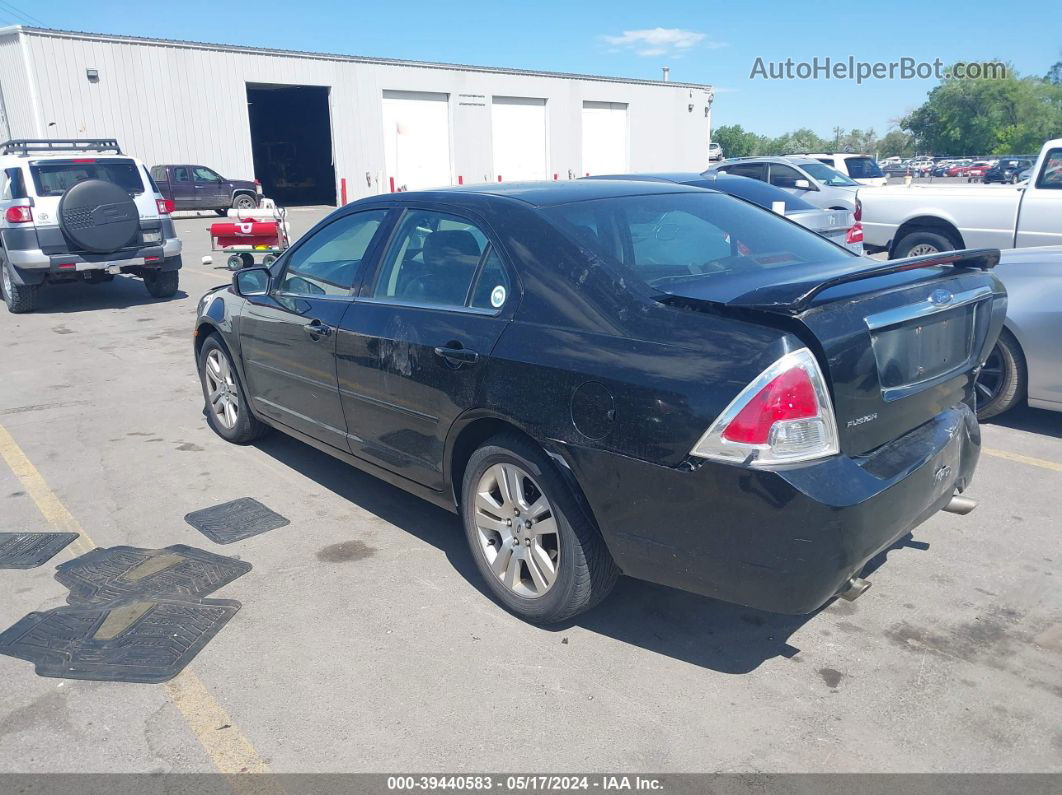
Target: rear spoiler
[[794, 297]]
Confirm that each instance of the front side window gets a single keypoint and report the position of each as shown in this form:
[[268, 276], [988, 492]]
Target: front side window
[[205, 175], [326, 263], [665, 240], [55, 177], [784, 176], [433, 260], [1051, 173]]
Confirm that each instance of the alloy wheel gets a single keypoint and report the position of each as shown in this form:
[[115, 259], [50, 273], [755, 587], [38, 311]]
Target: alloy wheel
[[6, 279], [222, 391], [991, 377], [922, 249], [517, 530]]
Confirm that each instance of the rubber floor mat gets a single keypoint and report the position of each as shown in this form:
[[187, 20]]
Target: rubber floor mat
[[30, 550], [133, 641], [125, 573], [235, 521]]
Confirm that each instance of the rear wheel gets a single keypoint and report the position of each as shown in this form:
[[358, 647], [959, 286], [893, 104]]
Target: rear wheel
[[20, 298], [1000, 383], [226, 402], [162, 284], [539, 553], [918, 244]]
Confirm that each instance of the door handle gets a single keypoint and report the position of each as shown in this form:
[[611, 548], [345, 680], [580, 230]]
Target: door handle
[[457, 356], [317, 329]]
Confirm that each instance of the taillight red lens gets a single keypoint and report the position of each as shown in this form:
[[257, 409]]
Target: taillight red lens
[[790, 396], [165, 206], [19, 214], [855, 234], [858, 214]]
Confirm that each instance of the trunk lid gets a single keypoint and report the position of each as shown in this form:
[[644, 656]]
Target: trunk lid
[[899, 341]]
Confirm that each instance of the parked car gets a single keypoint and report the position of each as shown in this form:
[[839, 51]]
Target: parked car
[[806, 177], [80, 210], [1025, 362], [959, 168], [940, 169], [715, 152], [839, 226], [1007, 171], [192, 187], [898, 169], [603, 376], [1025, 175], [925, 219], [864, 169], [977, 170]]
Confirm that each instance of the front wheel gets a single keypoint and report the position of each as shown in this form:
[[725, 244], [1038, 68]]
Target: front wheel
[[226, 402], [1000, 383], [244, 202], [540, 554]]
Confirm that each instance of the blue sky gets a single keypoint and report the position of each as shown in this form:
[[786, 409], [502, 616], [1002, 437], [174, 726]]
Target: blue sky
[[702, 42]]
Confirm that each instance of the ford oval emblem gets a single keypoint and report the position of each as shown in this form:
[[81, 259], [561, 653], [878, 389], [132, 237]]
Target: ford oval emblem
[[940, 297]]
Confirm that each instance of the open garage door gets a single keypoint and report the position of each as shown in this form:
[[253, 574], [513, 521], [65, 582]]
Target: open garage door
[[417, 139], [518, 133], [291, 139], [605, 138]]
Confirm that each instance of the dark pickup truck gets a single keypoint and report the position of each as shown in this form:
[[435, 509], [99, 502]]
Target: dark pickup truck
[[192, 187]]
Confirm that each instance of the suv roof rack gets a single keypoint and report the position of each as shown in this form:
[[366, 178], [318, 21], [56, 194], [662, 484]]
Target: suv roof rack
[[26, 145]]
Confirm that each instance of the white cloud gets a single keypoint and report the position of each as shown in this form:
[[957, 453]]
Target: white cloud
[[654, 42]]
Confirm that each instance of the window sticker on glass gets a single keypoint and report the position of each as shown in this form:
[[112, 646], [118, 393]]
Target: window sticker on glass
[[497, 296]]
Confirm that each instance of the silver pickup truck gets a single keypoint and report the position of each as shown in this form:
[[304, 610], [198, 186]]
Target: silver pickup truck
[[918, 219]]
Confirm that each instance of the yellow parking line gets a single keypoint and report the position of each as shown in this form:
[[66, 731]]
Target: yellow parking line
[[1023, 459], [228, 749]]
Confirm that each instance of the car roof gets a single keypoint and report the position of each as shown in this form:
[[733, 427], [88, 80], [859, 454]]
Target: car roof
[[548, 194]]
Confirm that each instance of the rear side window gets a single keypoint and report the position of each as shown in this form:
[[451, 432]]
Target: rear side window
[[863, 168], [55, 177], [14, 184], [753, 170], [667, 239]]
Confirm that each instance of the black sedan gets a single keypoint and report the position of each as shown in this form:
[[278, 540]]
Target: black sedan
[[1007, 171], [607, 377]]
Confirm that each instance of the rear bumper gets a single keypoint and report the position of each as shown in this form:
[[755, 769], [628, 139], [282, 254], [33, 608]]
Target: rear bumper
[[784, 541], [154, 256]]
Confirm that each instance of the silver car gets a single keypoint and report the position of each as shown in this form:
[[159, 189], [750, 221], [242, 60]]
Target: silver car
[[1026, 363], [805, 177]]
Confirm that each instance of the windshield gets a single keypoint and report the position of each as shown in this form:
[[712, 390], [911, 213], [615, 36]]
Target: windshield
[[863, 168], [54, 178], [667, 239], [827, 176]]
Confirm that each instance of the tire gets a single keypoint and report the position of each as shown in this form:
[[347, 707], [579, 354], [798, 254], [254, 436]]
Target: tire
[[238, 426], [1001, 382], [922, 243], [162, 284], [20, 298], [560, 534], [247, 258], [223, 211], [244, 202]]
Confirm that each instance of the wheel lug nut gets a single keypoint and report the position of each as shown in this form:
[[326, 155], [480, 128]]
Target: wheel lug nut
[[508, 522], [527, 523]]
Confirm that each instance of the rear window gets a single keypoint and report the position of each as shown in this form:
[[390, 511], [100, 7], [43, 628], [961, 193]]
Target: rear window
[[863, 168], [665, 240], [55, 177]]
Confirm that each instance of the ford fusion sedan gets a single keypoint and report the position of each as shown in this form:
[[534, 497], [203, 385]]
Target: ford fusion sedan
[[607, 376]]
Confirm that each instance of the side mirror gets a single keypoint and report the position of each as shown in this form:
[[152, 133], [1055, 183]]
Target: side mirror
[[251, 281], [802, 184]]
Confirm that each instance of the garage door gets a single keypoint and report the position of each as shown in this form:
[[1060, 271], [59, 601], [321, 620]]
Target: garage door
[[518, 132], [605, 137], [417, 139]]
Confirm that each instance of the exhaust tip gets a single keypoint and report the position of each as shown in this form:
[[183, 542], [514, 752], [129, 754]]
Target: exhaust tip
[[854, 588], [960, 505]]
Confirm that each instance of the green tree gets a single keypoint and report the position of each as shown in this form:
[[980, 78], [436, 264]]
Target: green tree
[[735, 141], [1000, 115], [896, 143]]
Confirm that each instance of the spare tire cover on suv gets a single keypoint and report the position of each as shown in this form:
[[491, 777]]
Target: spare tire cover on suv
[[98, 216]]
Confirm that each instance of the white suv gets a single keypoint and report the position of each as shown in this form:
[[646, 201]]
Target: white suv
[[862, 168], [80, 210]]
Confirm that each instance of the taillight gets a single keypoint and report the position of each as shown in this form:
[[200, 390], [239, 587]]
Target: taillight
[[165, 206], [783, 416], [855, 233], [19, 214], [858, 214]]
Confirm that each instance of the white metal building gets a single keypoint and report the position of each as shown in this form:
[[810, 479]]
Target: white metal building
[[316, 127]]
